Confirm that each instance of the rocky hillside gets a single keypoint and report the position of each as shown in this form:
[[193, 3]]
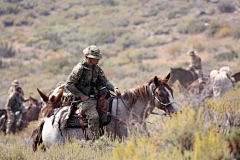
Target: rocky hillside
[[41, 41]]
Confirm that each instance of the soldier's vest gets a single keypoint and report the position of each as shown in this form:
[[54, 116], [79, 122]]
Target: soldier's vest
[[88, 82]]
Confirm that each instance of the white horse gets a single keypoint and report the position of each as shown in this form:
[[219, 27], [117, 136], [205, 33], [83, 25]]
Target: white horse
[[133, 107]]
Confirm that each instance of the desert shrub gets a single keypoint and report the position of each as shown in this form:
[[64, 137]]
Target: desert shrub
[[9, 9], [55, 66], [76, 13], [140, 149], [214, 27], [234, 143], [43, 11], [210, 146], [24, 21], [1, 64], [151, 11], [109, 3], [51, 38], [28, 4], [195, 27], [136, 20], [226, 7], [151, 42], [31, 41], [9, 21], [6, 49], [43, 42], [199, 46], [128, 39], [227, 56], [174, 50], [65, 6], [192, 27], [103, 38], [177, 13], [236, 33], [182, 28], [223, 32]]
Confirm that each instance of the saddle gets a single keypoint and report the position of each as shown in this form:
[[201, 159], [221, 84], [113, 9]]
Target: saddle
[[76, 120]]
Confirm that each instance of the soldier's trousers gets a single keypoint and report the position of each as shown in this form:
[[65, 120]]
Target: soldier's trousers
[[13, 117], [200, 73], [89, 108]]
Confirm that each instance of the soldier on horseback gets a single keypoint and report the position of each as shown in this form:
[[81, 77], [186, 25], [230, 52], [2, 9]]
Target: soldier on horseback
[[195, 63], [15, 106], [85, 82]]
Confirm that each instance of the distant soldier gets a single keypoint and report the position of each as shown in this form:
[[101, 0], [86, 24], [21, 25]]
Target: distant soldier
[[85, 81], [195, 63], [14, 104]]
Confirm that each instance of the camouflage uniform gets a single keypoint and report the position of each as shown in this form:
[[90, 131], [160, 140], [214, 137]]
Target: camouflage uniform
[[196, 63], [88, 81], [14, 104]]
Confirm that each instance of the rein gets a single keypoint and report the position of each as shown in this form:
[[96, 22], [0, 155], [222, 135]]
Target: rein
[[155, 97]]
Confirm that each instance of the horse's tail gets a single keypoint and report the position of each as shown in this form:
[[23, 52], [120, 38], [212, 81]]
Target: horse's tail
[[37, 135]]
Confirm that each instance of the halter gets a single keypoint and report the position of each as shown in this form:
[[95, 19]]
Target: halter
[[155, 97]]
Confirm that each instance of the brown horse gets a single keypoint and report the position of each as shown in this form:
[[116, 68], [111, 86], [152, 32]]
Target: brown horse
[[184, 77], [33, 110], [236, 77], [201, 86]]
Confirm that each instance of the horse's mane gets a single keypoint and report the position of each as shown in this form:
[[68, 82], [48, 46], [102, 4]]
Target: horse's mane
[[140, 92], [179, 68]]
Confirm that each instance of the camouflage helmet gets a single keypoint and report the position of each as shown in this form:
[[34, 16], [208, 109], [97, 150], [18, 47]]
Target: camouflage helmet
[[191, 53], [92, 52], [15, 83]]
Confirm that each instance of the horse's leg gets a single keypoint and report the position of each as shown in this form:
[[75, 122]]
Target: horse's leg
[[50, 134]]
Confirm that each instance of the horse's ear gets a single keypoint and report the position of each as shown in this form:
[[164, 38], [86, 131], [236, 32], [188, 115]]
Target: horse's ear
[[167, 78], [156, 82], [59, 96], [44, 97]]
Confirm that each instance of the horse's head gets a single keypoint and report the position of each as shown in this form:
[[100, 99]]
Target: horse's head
[[163, 95], [52, 102]]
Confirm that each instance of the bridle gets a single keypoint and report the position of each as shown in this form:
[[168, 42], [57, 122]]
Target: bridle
[[155, 97]]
